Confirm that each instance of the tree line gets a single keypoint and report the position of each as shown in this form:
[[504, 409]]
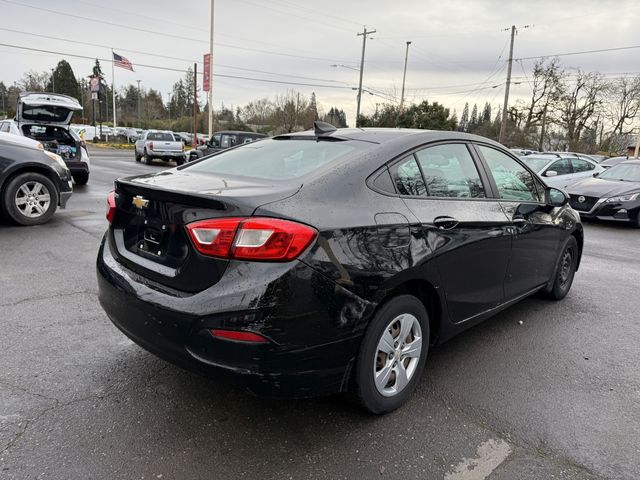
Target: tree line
[[577, 111]]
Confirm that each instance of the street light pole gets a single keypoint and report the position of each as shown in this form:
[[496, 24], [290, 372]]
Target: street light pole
[[210, 93], [404, 77], [364, 45]]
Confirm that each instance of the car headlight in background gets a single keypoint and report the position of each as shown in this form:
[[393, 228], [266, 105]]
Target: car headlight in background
[[629, 197]]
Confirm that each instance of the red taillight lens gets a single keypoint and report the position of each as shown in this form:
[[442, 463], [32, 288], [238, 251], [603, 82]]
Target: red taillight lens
[[239, 336], [111, 206], [266, 239], [150, 145]]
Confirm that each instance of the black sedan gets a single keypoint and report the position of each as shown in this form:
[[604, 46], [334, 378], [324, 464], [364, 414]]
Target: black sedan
[[331, 260], [33, 182], [611, 195]]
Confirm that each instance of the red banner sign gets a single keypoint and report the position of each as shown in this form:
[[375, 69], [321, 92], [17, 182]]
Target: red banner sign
[[206, 81]]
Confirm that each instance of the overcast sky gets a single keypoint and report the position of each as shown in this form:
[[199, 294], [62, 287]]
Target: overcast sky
[[458, 49]]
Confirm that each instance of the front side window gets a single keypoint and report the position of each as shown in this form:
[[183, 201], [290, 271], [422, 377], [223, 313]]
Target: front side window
[[449, 171], [228, 141], [580, 165], [561, 167], [514, 182]]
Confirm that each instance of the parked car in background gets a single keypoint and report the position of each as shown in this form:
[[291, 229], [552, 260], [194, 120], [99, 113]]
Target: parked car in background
[[331, 260], [610, 162], [612, 195], [45, 117], [523, 151], [561, 172], [33, 181], [223, 140], [159, 144]]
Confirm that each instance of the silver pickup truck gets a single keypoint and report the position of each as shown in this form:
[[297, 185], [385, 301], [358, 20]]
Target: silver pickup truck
[[159, 144]]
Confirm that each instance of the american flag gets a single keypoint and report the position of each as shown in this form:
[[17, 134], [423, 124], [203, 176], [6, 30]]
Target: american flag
[[120, 61]]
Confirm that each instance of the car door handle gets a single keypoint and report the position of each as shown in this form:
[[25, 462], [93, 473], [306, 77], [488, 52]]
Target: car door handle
[[445, 223]]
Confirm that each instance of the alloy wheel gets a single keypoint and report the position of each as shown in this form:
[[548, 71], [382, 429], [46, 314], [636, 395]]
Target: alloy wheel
[[32, 199], [397, 355]]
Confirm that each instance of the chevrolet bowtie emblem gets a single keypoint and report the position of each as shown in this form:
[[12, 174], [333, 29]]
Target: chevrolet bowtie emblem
[[140, 202]]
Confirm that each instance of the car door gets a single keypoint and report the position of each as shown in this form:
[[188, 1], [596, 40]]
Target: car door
[[465, 228], [563, 173], [583, 169], [536, 226]]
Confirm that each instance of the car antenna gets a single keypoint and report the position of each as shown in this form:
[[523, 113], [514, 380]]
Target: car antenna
[[322, 129]]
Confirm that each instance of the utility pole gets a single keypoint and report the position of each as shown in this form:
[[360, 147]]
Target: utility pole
[[195, 105], [542, 128], [503, 125], [139, 117], [364, 44], [53, 80], [210, 93], [169, 105], [404, 77]]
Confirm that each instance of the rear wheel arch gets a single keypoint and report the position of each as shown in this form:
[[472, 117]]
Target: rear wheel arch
[[579, 236], [424, 291]]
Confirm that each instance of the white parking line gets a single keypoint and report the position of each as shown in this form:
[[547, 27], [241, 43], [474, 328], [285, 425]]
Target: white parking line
[[489, 455]]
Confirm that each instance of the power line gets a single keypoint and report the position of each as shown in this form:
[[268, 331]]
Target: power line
[[579, 53], [158, 67]]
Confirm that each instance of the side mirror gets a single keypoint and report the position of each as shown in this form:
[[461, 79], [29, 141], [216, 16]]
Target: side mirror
[[596, 174], [550, 173], [556, 197]]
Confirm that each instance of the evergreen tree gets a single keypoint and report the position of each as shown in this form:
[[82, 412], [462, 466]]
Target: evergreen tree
[[486, 113], [473, 122], [463, 126], [64, 81]]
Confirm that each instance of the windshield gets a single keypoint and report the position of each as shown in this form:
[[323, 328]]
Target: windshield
[[629, 172], [535, 163], [275, 159], [160, 136]]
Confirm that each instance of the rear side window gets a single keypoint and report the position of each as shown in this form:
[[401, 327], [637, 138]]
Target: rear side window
[[449, 171], [407, 178], [514, 182], [4, 127], [580, 165], [276, 159]]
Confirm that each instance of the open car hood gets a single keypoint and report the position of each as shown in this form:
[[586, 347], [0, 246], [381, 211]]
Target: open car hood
[[46, 108]]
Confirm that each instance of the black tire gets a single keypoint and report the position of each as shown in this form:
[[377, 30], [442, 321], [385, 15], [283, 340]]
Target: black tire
[[566, 270], [138, 158], [147, 159], [81, 178], [179, 161], [636, 222], [10, 197], [369, 357]]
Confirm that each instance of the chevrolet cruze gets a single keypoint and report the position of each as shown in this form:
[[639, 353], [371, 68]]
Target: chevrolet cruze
[[331, 260]]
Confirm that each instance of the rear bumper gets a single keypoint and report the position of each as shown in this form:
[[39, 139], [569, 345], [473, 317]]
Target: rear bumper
[[314, 336], [157, 154], [77, 167]]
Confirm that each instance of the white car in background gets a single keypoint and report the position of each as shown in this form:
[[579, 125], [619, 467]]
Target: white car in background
[[562, 171]]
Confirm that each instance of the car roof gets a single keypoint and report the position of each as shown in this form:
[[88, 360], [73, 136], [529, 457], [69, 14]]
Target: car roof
[[239, 132], [632, 161], [384, 135]]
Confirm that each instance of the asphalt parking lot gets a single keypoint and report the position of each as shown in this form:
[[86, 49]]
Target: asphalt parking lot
[[543, 390]]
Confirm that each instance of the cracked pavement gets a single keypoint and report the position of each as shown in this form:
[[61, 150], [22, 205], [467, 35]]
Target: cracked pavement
[[557, 396]]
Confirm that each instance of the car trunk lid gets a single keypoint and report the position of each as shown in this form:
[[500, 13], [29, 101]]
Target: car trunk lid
[[46, 108], [148, 234]]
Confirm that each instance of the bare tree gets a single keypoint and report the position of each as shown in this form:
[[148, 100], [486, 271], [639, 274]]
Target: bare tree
[[258, 112], [623, 103], [578, 104], [290, 110], [546, 83]]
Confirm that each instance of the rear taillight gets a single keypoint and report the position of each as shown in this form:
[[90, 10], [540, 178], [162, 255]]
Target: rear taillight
[[111, 206], [150, 145], [267, 239], [239, 336]]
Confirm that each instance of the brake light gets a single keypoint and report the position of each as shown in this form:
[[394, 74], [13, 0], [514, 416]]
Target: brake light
[[266, 239], [150, 145], [111, 206], [239, 336]]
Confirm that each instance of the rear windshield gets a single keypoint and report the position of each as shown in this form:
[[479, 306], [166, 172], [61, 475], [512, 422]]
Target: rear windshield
[[160, 136], [47, 113], [275, 159]]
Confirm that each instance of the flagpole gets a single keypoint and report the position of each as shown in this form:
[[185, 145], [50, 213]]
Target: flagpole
[[113, 88]]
